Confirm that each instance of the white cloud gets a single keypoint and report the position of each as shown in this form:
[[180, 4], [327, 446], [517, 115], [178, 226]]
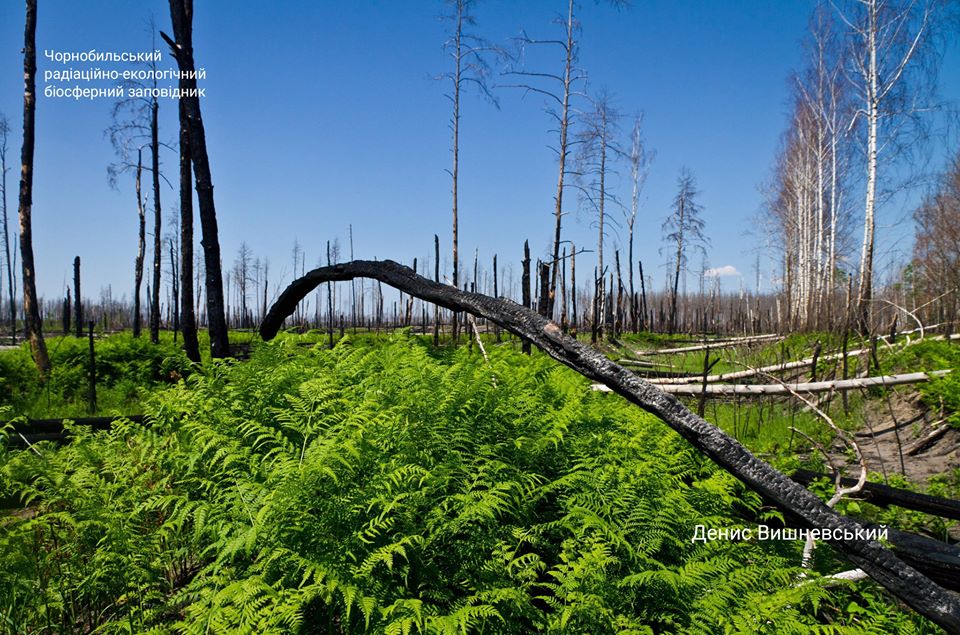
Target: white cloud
[[717, 272]]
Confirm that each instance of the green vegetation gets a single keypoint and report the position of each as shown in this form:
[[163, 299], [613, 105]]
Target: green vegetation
[[125, 366], [394, 488]]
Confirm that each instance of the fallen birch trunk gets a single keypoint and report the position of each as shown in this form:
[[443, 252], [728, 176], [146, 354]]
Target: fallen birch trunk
[[753, 372], [740, 341], [806, 387], [902, 580]]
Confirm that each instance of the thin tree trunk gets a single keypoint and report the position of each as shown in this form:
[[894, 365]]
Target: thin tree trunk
[[188, 318], [573, 289], [141, 246], [174, 290], [31, 309], [455, 121], [563, 150], [436, 277], [78, 305], [157, 221], [525, 287], [329, 302], [643, 297], [11, 296]]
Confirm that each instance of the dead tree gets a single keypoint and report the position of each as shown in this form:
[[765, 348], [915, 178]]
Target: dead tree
[[31, 309], [525, 287], [902, 580], [561, 91], [469, 67], [129, 132], [135, 128], [78, 304], [640, 158], [181, 15], [241, 275], [188, 318], [4, 132], [597, 150], [157, 220], [685, 229]]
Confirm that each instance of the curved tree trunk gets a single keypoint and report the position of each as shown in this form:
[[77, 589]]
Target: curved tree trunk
[[902, 580]]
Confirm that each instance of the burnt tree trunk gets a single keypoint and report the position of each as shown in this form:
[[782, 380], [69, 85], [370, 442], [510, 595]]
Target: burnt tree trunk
[[882, 565], [157, 221], [175, 291], [181, 15], [525, 288], [141, 247], [33, 325], [188, 318], [77, 304], [436, 277], [67, 312], [6, 232], [92, 375], [543, 304]]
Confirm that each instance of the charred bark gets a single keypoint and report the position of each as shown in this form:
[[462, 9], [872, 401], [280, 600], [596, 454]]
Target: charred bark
[[181, 15], [188, 318], [31, 308], [157, 222]]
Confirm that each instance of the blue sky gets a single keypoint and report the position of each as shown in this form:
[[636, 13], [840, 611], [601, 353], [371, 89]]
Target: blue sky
[[325, 114]]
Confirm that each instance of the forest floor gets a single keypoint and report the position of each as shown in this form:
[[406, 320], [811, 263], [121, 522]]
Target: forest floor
[[892, 430]]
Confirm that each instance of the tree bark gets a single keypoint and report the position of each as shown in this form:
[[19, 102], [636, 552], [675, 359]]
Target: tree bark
[[181, 15], [141, 247], [900, 579], [31, 309], [562, 150], [525, 287], [6, 230], [807, 387], [188, 318], [78, 305], [455, 123], [157, 221]]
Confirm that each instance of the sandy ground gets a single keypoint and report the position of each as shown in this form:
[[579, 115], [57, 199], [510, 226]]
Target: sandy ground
[[903, 436]]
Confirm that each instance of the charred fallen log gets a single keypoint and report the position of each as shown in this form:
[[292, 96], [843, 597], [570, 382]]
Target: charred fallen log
[[884, 495]]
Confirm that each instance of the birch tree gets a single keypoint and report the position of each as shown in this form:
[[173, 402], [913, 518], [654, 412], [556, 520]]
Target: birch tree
[[807, 206], [890, 43], [640, 157]]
